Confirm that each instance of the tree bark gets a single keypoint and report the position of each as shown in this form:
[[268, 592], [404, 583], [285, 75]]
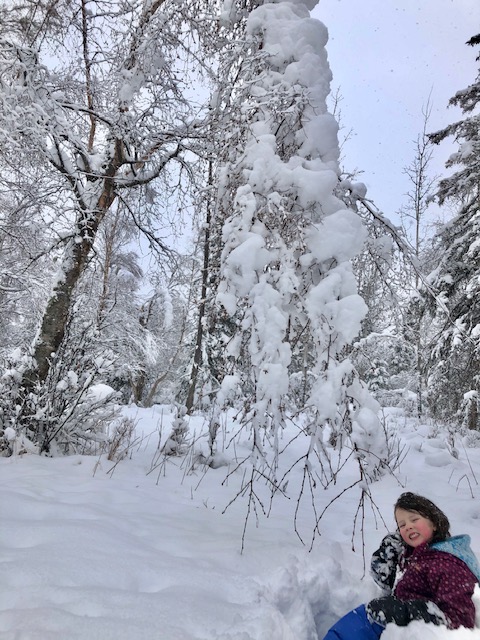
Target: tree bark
[[55, 317], [197, 356]]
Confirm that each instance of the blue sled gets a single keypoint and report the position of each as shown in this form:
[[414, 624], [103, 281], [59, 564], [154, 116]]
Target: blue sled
[[355, 626]]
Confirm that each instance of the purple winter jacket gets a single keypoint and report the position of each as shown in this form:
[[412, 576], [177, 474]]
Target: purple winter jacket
[[439, 577]]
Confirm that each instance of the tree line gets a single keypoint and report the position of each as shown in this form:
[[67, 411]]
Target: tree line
[[175, 227]]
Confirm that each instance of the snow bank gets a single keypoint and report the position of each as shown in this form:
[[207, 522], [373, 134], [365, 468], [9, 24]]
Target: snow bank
[[91, 550]]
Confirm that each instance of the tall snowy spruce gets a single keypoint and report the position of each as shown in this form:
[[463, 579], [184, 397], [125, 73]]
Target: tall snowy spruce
[[454, 382], [286, 278]]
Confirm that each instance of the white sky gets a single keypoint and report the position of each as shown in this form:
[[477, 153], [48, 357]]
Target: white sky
[[386, 57]]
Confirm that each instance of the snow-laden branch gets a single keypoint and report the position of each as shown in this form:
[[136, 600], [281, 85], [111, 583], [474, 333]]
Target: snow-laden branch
[[286, 279], [412, 259]]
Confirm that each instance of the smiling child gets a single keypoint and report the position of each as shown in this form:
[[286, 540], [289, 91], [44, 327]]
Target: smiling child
[[426, 573]]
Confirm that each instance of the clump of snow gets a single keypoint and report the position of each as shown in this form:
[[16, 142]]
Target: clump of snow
[[9, 434], [421, 631], [131, 82], [100, 392], [340, 236]]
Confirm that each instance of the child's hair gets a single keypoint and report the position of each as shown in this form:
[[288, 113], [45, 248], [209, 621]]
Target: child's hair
[[426, 508]]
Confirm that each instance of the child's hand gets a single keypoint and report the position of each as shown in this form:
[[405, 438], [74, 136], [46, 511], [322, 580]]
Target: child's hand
[[391, 609], [393, 544], [385, 560]]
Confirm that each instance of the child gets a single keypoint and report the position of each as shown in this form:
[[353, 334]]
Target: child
[[427, 574]]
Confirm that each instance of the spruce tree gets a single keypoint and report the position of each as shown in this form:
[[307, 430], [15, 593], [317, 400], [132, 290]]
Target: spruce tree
[[454, 356]]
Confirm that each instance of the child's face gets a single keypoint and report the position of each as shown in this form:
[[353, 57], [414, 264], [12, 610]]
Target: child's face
[[414, 528]]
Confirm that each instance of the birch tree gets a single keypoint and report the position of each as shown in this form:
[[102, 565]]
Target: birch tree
[[93, 95], [419, 197], [102, 127]]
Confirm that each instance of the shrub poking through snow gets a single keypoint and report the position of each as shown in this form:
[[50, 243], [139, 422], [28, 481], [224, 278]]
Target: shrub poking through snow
[[177, 442], [68, 413], [120, 439]]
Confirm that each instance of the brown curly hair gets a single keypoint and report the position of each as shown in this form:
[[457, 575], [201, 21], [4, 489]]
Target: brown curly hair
[[426, 508]]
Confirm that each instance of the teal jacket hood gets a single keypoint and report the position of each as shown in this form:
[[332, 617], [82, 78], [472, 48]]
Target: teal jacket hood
[[459, 546]]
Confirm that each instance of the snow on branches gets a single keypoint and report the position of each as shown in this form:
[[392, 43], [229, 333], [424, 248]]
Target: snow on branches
[[456, 280], [286, 275]]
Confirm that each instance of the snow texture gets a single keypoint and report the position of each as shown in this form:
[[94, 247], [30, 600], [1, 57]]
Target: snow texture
[[94, 551]]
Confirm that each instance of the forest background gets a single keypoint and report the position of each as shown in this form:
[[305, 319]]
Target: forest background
[[196, 287], [177, 227]]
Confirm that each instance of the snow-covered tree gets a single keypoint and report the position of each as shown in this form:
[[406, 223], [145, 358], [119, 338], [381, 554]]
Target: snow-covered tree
[[95, 107], [169, 315], [94, 94], [419, 197], [385, 271], [23, 266], [286, 279], [455, 356]]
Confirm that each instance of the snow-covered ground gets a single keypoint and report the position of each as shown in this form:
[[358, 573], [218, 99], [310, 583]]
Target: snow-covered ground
[[90, 550]]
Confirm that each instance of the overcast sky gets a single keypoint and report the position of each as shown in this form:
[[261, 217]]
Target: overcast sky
[[386, 57]]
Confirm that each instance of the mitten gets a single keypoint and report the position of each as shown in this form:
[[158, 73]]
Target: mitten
[[400, 612], [384, 562]]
